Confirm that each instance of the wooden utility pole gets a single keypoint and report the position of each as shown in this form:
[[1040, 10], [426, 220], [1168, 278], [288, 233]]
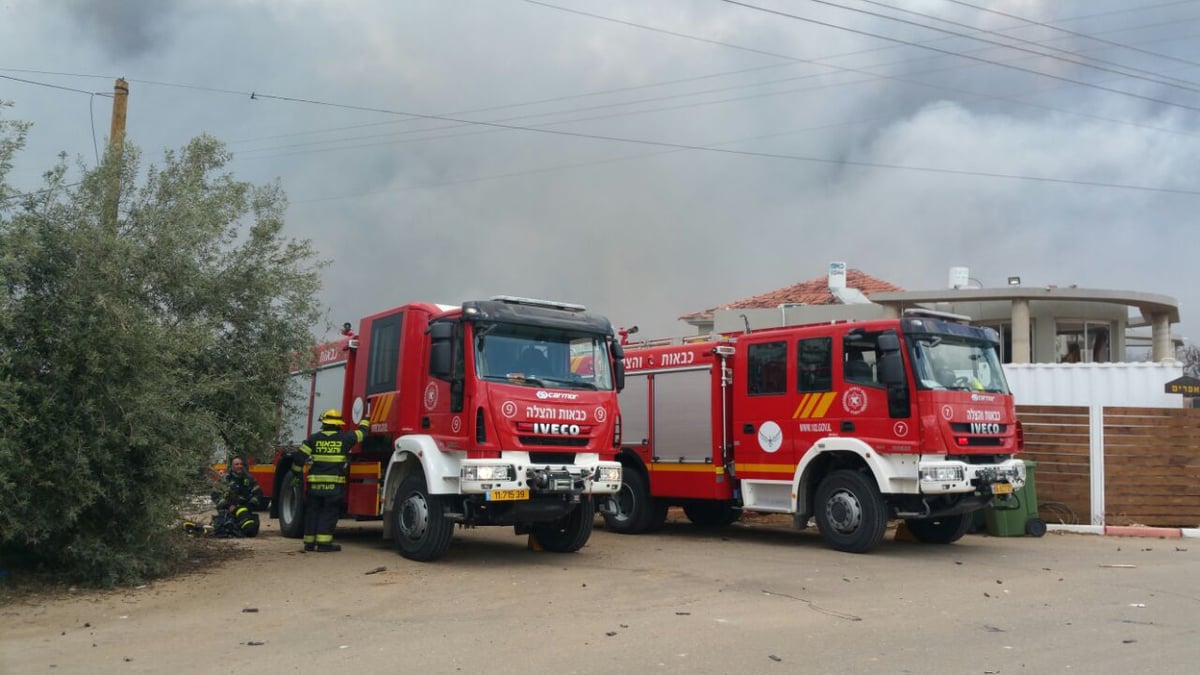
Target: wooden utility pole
[[116, 147]]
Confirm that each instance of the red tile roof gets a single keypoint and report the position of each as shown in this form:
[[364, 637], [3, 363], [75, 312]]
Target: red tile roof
[[811, 292]]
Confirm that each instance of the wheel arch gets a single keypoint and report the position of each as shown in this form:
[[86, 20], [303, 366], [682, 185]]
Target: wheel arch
[[831, 454], [417, 453], [631, 461]]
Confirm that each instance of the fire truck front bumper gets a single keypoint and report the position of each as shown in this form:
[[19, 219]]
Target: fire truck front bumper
[[502, 480], [955, 477]]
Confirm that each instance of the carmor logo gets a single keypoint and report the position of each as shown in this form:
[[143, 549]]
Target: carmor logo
[[556, 395]]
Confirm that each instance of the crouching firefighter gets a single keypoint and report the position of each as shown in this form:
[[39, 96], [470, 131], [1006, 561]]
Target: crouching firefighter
[[327, 453], [237, 504]]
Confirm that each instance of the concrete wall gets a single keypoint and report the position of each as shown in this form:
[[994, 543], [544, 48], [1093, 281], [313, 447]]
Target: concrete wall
[[730, 320]]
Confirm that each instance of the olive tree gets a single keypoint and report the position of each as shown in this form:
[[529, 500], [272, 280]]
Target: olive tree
[[134, 343]]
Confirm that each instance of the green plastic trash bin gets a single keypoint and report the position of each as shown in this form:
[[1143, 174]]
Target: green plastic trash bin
[[1018, 516]]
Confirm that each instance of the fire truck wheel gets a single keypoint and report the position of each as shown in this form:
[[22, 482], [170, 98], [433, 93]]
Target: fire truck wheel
[[291, 505], [711, 514], [943, 530], [421, 528], [570, 533], [633, 505], [850, 511]]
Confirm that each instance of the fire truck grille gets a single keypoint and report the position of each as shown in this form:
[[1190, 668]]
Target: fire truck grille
[[552, 457], [978, 459], [558, 441]]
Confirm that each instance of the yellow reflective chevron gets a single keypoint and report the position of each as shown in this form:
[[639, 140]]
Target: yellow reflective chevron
[[383, 405], [814, 406]]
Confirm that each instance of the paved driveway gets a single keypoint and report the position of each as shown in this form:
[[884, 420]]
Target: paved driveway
[[757, 598]]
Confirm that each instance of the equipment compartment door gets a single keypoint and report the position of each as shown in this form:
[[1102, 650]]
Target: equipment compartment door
[[686, 459], [762, 433]]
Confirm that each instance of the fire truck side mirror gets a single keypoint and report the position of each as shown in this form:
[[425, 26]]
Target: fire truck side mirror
[[891, 373], [440, 348], [891, 368], [618, 357]]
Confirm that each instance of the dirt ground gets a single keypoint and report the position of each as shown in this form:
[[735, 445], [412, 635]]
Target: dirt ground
[[756, 597]]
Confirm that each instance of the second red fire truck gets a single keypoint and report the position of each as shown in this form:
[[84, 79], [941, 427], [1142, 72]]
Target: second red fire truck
[[851, 424], [477, 418]]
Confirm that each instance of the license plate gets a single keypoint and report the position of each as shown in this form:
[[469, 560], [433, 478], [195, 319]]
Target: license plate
[[1002, 488], [508, 495]]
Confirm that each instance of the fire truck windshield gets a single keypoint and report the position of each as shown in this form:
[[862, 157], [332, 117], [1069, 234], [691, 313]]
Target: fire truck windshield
[[957, 363], [542, 357]]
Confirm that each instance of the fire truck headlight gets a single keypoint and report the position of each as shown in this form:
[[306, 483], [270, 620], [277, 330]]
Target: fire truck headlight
[[608, 474], [942, 474], [487, 472]]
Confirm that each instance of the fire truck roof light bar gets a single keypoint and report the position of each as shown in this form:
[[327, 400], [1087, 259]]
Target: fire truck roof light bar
[[933, 314], [533, 302]]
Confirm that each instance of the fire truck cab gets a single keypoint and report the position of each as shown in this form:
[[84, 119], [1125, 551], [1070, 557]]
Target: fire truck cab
[[476, 418], [849, 423]]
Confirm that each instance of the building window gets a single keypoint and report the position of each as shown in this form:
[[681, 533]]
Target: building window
[[1082, 341]]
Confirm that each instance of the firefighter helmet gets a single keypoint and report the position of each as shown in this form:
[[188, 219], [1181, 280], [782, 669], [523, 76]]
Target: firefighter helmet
[[332, 417]]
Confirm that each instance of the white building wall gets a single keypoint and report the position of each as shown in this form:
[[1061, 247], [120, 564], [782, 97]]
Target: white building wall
[[1135, 385]]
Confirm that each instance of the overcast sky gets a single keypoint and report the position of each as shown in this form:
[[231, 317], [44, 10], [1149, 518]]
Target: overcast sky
[[651, 159]]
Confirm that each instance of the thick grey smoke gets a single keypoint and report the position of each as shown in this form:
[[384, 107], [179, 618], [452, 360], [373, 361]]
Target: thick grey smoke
[[788, 143], [124, 29]]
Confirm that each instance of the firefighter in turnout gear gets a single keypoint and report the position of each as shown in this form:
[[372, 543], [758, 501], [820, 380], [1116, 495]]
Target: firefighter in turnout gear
[[237, 504], [328, 454]]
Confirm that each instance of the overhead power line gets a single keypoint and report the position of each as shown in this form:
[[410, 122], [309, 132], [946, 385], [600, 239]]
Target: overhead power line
[[55, 86], [662, 83], [948, 52], [1124, 70], [1085, 36], [678, 146], [747, 153]]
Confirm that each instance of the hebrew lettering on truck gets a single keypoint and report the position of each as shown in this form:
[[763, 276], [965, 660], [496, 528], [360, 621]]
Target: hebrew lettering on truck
[[850, 423], [479, 414]]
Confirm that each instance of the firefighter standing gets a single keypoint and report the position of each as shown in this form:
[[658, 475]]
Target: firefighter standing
[[328, 454], [241, 498]]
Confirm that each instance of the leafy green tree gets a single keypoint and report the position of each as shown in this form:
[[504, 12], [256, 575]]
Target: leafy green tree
[[133, 347]]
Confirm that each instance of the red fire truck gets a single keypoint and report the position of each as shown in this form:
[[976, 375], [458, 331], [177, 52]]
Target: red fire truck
[[850, 423], [476, 418]]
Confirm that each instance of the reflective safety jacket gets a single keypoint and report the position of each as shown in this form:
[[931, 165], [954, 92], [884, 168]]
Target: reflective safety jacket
[[328, 450], [242, 489]]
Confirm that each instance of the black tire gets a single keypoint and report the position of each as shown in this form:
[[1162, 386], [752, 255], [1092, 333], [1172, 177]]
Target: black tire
[[850, 511], [633, 504], [419, 521], [941, 530], [1035, 527], [711, 514], [291, 504], [569, 533]]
